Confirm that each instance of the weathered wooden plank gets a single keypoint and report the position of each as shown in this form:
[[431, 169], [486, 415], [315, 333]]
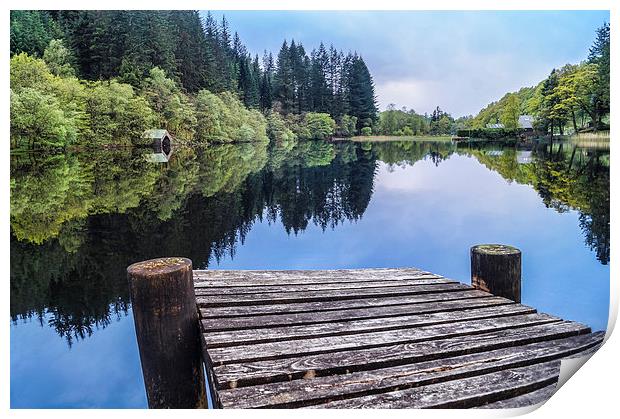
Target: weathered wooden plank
[[290, 319], [590, 351], [253, 336], [202, 282], [375, 338], [279, 275], [313, 346], [284, 369], [294, 288], [288, 288], [206, 299], [259, 310], [468, 392], [299, 393], [527, 399]]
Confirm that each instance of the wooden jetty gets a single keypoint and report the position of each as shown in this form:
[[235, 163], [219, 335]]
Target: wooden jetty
[[374, 338]]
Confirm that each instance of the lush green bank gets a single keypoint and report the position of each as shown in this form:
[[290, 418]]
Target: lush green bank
[[391, 138], [572, 98], [93, 78], [407, 122]]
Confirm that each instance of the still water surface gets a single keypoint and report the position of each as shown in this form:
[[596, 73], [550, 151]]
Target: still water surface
[[78, 220]]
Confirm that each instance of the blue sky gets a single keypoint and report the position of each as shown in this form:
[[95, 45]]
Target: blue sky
[[459, 60]]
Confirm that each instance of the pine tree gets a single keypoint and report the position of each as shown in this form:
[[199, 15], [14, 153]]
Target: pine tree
[[599, 55], [284, 80], [194, 60], [361, 96], [224, 36], [31, 31], [200, 54], [266, 83], [320, 90]]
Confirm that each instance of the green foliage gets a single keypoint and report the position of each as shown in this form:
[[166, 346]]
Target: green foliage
[[241, 124], [464, 122], [46, 196], [223, 118], [599, 55], [45, 110], [31, 31], [116, 114], [442, 126], [366, 131], [564, 179], [575, 94], [59, 59], [313, 153], [168, 56], [492, 114], [225, 166], [174, 111], [398, 121], [319, 126], [510, 113], [37, 120], [347, 126], [210, 110], [361, 92], [30, 72], [277, 130], [403, 153], [196, 55]]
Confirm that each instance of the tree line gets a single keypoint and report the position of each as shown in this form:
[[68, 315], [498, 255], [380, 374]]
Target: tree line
[[184, 66], [572, 98], [407, 122]]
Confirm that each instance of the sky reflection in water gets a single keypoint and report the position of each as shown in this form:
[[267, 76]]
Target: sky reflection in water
[[425, 215]]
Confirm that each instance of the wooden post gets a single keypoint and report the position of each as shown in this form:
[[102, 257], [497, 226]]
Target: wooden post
[[167, 330], [496, 268]]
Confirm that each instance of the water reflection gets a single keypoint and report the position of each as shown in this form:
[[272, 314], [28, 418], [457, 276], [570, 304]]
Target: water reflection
[[78, 220]]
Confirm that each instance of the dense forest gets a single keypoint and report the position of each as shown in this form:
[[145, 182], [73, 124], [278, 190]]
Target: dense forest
[[571, 99], [103, 77]]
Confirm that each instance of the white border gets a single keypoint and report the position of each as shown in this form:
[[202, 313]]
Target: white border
[[591, 393]]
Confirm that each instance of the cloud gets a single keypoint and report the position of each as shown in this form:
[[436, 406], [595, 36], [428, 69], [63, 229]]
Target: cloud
[[459, 60]]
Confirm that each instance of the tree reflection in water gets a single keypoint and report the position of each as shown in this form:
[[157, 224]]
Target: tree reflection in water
[[77, 220]]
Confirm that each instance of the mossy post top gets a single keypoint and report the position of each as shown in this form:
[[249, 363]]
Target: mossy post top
[[160, 266], [495, 249]]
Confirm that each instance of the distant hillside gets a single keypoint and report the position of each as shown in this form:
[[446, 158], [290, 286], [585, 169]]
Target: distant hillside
[[572, 98]]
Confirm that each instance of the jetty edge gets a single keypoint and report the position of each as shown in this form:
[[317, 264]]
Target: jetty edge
[[347, 338]]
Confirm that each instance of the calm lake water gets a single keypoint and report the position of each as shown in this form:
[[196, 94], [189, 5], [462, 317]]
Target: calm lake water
[[78, 220]]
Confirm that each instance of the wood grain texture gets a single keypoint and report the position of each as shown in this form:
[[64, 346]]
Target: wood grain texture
[[464, 393], [527, 399], [285, 275], [294, 288], [274, 320], [205, 282], [286, 333], [363, 338], [319, 345], [284, 369], [209, 299], [299, 393], [258, 310]]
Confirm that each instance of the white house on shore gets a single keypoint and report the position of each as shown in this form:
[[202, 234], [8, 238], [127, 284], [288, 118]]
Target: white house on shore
[[525, 123]]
